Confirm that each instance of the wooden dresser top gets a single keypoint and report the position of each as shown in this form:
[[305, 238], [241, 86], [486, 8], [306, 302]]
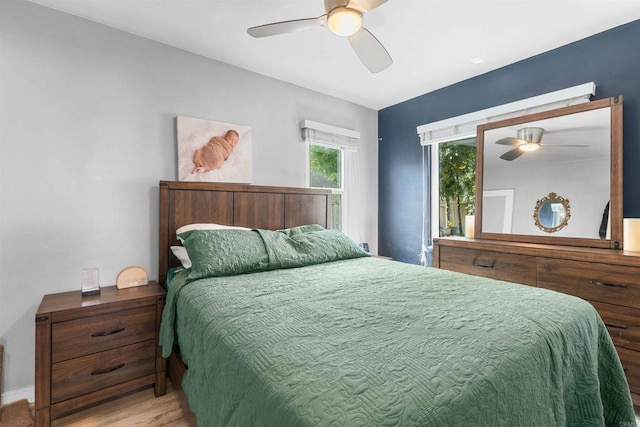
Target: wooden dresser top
[[599, 255], [109, 294]]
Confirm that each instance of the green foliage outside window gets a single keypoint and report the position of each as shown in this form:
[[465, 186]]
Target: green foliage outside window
[[325, 167], [457, 181], [326, 172], [336, 211]]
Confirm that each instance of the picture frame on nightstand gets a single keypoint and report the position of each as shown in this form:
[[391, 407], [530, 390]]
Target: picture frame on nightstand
[[89, 279]]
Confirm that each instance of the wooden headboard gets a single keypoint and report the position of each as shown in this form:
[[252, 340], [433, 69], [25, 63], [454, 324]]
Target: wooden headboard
[[253, 206]]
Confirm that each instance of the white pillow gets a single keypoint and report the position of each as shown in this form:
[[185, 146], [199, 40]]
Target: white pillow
[[190, 227], [181, 253]]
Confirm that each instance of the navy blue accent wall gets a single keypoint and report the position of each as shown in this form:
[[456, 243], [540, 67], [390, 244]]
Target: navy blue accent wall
[[610, 59]]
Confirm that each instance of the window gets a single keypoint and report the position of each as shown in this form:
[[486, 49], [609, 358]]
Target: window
[[442, 206], [326, 170], [327, 145], [325, 166], [456, 185], [451, 185]]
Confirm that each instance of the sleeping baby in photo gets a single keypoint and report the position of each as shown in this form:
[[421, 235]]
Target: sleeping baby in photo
[[213, 155]]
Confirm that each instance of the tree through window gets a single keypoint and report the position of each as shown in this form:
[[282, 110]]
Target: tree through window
[[326, 171], [457, 185]]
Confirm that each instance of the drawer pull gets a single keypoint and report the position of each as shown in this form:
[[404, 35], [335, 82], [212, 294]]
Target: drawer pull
[[107, 370], [609, 285], [107, 333], [484, 266], [613, 325]]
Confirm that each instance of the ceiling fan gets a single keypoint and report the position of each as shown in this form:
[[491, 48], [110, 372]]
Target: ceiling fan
[[343, 18], [528, 139]]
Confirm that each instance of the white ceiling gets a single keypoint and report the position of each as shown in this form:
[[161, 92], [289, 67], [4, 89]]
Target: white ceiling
[[430, 41], [588, 132]]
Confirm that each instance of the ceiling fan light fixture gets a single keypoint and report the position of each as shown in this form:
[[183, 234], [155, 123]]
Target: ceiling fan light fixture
[[529, 146], [531, 134], [344, 21]]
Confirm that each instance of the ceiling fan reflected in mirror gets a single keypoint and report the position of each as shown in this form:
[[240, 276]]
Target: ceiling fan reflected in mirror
[[343, 18], [527, 139]]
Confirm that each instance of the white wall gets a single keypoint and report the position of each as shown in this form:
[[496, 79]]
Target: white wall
[[584, 183], [87, 131]]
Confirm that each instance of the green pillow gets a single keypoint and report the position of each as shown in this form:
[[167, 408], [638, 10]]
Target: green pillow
[[216, 253], [308, 245]]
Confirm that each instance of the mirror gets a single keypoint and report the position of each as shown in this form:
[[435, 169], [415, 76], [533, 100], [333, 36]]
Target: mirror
[[573, 151], [552, 213]]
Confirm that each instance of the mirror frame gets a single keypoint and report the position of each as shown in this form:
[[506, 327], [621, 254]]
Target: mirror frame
[[552, 197], [615, 205]]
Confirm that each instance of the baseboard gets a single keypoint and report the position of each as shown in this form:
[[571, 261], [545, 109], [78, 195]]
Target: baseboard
[[23, 393]]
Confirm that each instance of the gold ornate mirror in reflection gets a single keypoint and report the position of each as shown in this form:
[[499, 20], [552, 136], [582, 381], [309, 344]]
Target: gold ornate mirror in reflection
[[552, 213]]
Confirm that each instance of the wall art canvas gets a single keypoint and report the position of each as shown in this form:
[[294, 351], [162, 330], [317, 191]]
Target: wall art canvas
[[214, 151]]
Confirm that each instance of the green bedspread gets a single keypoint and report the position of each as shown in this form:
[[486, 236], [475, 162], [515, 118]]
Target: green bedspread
[[371, 342]]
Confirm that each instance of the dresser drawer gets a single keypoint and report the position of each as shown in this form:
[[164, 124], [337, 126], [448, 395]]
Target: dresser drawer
[[623, 324], [89, 335], [496, 265], [631, 363], [612, 284], [82, 375]]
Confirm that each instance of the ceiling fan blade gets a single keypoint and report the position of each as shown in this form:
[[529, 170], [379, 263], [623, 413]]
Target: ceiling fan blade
[[512, 154], [286, 26], [365, 5], [370, 51], [510, 141]]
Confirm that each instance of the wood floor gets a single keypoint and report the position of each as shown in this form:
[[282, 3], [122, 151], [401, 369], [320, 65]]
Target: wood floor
[[136, 409]]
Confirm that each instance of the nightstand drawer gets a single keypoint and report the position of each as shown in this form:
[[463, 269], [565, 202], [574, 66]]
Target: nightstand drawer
[[623, 324], [82, 375], [631, 363], [613, 284], [496, 265], [89, 335]]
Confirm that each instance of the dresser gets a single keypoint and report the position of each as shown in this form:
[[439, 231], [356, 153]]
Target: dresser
[[608, 279], [92, 348]]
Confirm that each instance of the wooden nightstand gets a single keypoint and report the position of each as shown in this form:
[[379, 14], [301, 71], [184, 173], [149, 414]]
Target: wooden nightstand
[[92, 348]]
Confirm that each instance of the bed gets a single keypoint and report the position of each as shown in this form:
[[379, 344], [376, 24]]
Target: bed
[[278, 333]]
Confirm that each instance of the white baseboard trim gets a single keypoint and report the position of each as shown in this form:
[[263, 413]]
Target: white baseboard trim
[[23, 393]]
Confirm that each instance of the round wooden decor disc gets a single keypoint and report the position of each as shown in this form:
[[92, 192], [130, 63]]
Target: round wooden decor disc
[[132, 276]]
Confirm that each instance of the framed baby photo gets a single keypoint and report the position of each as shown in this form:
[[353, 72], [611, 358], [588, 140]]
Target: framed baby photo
[[214, 151]]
